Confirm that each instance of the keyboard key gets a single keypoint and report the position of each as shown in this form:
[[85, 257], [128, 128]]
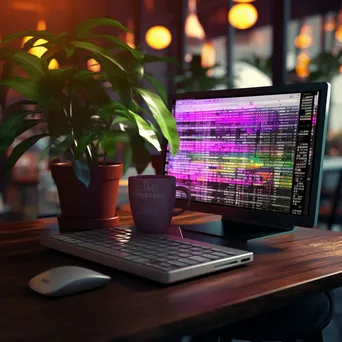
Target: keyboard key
[[196, 249], [221, 254], [102, 249], [199, 259], [177, 263], [211, 256], [141, 260], [196, 253], [188, 261], [132, 257], [184, 255]]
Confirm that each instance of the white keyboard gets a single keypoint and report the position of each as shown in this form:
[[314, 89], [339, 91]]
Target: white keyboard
[[163, 258]]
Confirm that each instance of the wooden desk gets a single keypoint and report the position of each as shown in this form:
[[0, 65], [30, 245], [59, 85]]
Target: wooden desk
[[131, 308]]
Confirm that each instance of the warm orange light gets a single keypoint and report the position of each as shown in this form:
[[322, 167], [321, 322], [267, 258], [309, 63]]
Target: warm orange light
[[129, 37], [304, 39], [242, 16], [25, 40], [303, 58], [41, 25], [53, 64], [193, 27], [244, 1], [37, 50], [341, 68], [158, 37], [302, 71], [208, 56], [149, 4], [303, 61], [338, 34], [93, 65], [330, 25], [188, 57]]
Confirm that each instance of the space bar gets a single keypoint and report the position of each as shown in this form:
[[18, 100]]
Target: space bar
[[104, 250]]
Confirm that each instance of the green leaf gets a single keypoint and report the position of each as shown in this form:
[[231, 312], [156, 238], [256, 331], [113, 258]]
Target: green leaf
[[145, 131], [140, 157], [127, 158], [110, 139], [118, 43], [20, 149], [8, 69], [83, 142], [120, 120], [31, 64], [13, 126], [118, 79], [158, 86], [162, 115], [82, 171], [60, 145], [26, 87], [154, 59], [28, 124], [69, 50], [97, 49], [5, 51], [30, 33], [82, 30]]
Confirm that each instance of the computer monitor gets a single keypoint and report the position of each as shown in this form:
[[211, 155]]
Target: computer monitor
[[252, 155]]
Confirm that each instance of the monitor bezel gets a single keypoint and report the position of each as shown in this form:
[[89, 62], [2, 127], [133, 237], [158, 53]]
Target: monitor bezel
[[262, 216]]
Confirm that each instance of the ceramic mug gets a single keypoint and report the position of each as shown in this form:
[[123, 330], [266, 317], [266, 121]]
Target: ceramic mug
[[152, 200]]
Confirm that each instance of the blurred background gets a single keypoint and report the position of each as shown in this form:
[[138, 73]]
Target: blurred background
[[220, 44]]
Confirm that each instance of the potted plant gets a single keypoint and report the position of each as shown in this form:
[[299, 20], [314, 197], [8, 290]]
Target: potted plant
[[87, 115]]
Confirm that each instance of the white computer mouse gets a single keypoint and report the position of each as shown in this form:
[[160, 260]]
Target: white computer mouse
[[67, 280]]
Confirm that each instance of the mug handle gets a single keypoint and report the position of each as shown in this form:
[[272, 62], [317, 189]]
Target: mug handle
[[188, 198]]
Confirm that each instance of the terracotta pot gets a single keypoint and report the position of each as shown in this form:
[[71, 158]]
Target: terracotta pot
[[85, 208]]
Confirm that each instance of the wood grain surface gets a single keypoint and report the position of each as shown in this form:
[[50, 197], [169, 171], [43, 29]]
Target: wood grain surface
[[135, 309]]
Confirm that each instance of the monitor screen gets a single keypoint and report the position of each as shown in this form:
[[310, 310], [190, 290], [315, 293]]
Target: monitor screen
[[252, 152]]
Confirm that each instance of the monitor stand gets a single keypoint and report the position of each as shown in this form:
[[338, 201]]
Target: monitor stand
[[235, 231]]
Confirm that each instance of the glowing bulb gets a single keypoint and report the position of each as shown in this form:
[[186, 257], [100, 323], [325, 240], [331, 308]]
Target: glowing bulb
[[243, 16], [303, 58], [37, 50], [41, 25], [188, 57], [304, 39], [53, 64], [193, 27], [158, 37], [330, 25], [341, 68], [338, 34], [93, 65], [303, 61], [302, 71], [208, 56], [129, 37]]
